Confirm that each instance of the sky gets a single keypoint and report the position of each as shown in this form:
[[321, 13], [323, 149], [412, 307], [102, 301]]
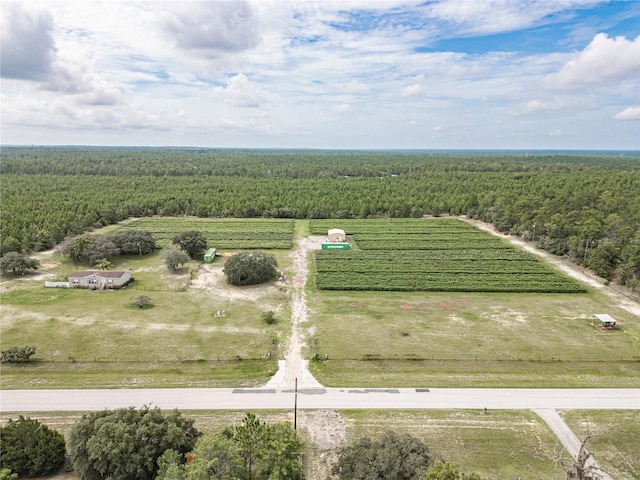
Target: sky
[[350, 74]]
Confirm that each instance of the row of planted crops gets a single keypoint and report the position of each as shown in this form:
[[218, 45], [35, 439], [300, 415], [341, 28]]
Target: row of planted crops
[[430, 255], [225, 233]]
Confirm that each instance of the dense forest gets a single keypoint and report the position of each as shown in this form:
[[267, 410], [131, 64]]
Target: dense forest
[[584, 206]]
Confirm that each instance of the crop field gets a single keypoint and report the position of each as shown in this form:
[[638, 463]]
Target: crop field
[[231, 234], [443, 255]]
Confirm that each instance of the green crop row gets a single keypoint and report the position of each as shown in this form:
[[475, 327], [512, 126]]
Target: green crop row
[[390, 225], [425, 244], [233, 234], [437, 282]]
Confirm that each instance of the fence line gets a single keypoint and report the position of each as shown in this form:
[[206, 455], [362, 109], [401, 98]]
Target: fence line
[[363, 358]]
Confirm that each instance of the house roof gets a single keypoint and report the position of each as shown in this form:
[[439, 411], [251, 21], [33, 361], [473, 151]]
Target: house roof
[[99, 273], [604, 317], [336, 230]]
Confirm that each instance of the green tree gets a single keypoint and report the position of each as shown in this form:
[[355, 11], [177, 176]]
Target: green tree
[[250, 268], [125, 444], [133, 241], [104, 264], [18, 354], [7, 474], [393, 457], [171, 466], [89, 248], [252, 450], [192, 242], [17, 263], [31, 448], [174, 258]]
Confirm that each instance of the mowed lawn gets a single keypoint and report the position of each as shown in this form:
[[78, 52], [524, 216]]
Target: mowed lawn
[[465, 340], [91, 338]]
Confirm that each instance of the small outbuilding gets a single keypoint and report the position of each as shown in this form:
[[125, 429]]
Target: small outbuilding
[[606, 321], [336, 235], [210, 256], [100, 279]]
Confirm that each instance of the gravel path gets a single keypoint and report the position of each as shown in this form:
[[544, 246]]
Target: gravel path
[[294, 367]]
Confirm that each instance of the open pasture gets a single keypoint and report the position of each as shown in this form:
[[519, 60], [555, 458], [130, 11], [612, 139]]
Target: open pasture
[[225, 233], [88, 338], [471, 340], [445, 255]]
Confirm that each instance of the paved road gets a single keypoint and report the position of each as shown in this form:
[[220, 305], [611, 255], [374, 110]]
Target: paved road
[[321, 398]]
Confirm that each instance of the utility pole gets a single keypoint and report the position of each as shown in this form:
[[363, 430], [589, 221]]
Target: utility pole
[[295, 406]]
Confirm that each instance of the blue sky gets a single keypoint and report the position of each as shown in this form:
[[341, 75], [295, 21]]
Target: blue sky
[[439, 74]]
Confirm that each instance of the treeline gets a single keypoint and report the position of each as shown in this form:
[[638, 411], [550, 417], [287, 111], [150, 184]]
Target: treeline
[[585, 207], [284, 163]]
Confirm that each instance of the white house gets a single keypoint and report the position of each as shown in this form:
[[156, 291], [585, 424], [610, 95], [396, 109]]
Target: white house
[[99, 279], [336, 235]]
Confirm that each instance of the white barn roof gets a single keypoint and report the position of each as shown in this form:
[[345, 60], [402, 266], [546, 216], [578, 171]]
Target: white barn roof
[[336, 231], [604, 317]]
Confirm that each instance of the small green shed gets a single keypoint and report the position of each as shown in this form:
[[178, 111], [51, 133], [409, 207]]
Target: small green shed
[[335, 246], [210, 256]]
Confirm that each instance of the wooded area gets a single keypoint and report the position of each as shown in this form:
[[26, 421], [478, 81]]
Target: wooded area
[[584, 206]]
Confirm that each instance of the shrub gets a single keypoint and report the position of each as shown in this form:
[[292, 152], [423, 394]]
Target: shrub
[[269, 317], [141, 301], [31, 448], [18, 354]]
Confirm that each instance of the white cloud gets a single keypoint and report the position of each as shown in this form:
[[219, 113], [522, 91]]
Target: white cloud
[[240, 91], [342, 109], [412, 90], [631, 113], [207, 72], [555, 133], [28, 47], [603, 61], [212, 29]]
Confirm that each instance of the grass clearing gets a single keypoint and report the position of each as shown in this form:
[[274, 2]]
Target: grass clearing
[[617, 436], [498, 445], [90, 338], [465, 340]]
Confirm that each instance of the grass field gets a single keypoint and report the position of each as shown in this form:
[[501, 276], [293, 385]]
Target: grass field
[[616, 438], [472, 340], [91, 338], [499, 445]]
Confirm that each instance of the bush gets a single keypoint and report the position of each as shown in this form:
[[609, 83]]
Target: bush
[[250, 268], [18, 354], [269, 317], [31, 448], [141, 301]]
